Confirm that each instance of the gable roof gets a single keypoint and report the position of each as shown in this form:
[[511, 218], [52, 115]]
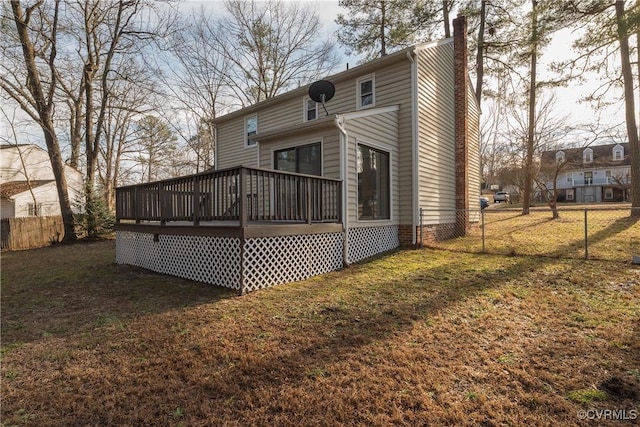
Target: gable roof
[[602, 156], [365, 68], [12, 188]]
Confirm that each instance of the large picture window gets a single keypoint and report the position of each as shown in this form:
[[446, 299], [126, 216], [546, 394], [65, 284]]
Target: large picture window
[[304, 159], [373, 184]]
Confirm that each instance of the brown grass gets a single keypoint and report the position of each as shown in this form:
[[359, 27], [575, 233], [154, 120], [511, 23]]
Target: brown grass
[[417, 337], [611, 233]]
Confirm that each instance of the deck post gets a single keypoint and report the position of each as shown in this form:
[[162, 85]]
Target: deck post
[[309, 214], [196, 201], [161, 202], [241, 198], [136, 216]]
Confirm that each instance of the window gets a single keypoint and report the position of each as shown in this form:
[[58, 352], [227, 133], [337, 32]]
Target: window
[[304, 159], [569, 194], [366, 92], [618, 152], [588, 178], [310, 110], [607, 175], [570, 177], [251, 128], [560, 157], [608, 193], [35, 209], [587, 155], [373, 184]]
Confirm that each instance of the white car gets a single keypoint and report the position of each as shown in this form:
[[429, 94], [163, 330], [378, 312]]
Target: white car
[[501, 196]]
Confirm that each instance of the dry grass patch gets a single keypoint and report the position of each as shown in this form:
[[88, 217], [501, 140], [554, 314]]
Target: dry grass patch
[[611, 233], [417, 337]]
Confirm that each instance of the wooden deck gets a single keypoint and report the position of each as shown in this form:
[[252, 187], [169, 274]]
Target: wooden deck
[[238, 202]]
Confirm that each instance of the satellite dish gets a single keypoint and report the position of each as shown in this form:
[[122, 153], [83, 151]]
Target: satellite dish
[[322, 91]]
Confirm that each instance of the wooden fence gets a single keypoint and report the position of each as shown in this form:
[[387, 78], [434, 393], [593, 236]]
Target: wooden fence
[[30, 232]]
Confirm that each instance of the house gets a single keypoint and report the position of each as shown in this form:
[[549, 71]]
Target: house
[[593, 174], [301, 187], [27, 184]]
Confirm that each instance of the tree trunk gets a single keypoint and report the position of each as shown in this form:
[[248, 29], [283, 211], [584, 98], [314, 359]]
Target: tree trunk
[[629, 108], [480, 52], [383, 23], [44, 107], [528, 172], [445, 18]]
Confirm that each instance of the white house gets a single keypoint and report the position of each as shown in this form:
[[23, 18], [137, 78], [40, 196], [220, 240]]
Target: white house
[[594, 174], [27, 184]]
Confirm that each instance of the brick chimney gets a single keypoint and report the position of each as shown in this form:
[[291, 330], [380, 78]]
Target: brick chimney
[[461, 87]]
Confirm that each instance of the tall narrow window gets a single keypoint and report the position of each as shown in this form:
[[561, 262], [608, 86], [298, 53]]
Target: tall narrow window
[[304, 159], [310, 110], [366, 92], [373, 184], [588, 178], [560, 157], [587, 155], [251, 128]]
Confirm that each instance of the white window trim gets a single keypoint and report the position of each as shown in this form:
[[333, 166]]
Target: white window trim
[[560, 157], [363, 79], [386, 149], [571, 192], [304, 110], [587, 155], [618, 149], [608, 190], [247, 143]]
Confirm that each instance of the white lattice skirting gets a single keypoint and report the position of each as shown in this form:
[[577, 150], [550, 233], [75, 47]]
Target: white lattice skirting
[[214, 260], [224, 261], [369, 241], [273, 260]]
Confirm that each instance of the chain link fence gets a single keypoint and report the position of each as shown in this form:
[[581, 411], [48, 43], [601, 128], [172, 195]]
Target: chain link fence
[[589, 232]]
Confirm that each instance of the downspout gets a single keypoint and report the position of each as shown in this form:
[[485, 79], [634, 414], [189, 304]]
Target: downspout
[[415, 165], [215, 147], [344, 139]]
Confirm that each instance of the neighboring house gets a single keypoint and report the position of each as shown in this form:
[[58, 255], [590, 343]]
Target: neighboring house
[[319, 190], [593, 174], [27, 184]]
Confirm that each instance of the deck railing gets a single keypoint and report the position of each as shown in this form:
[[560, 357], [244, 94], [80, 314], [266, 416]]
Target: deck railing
[[240, 194]]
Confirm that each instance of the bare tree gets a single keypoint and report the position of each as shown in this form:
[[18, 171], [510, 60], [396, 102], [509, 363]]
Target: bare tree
[[605, 49], [37, 33], [273, 46]]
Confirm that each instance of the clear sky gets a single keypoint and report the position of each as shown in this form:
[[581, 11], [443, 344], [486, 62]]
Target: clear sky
[[567, 98]]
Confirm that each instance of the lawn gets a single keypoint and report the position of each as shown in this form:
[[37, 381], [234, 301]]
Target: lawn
[[416, 337], [611, 233]]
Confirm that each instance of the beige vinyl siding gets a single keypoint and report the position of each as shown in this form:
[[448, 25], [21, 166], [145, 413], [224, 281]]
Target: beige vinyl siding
[[474, 155], [329, 139], [232, 148], [436, 132], [392, 87], [379, 131]]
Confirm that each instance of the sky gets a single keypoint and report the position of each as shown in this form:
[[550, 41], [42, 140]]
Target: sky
[[568, 99]]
